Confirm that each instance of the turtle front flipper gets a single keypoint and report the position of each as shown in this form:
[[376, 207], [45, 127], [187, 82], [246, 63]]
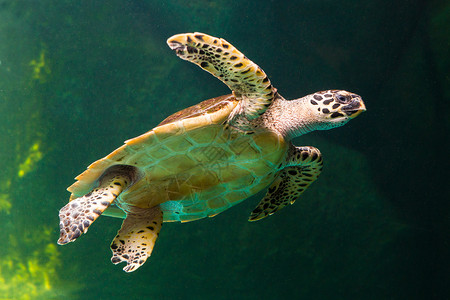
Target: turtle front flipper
[[248, 82], [77, 215], [303, 167], [136, 238]]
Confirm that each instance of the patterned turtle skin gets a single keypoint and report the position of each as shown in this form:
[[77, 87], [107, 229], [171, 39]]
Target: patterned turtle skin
[[206, 158]]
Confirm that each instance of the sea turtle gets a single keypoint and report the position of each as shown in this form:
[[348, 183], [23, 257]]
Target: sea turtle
[[206, 158]]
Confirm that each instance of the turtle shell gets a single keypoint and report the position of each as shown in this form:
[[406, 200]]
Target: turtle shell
[[192, 164]]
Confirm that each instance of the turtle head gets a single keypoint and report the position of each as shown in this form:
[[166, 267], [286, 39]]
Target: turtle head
[[334, 108], [319, 111]]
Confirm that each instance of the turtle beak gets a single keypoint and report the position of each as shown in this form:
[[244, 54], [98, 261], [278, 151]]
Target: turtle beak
[[355, 107]]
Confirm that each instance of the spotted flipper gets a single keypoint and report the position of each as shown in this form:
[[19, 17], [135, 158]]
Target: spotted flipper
[[303, 167], [248, 82], [77, 215], [135, 240]]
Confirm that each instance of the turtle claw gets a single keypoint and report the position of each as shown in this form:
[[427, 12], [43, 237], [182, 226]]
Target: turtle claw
[[136, 238], [66, 238], [133, 263]]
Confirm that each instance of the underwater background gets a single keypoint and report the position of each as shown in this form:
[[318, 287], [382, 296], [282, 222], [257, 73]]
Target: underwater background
[[77, 78]]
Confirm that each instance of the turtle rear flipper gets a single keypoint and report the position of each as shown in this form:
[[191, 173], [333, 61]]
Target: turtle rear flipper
[[136, 238]]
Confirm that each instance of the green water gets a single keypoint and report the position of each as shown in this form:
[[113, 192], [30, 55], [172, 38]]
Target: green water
[[77, 78]]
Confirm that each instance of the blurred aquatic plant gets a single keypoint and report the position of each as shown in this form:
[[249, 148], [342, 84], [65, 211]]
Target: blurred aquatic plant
[[30, 262], [40, 66], [5, 203], [30, 258], [28, 269], [34, 156]]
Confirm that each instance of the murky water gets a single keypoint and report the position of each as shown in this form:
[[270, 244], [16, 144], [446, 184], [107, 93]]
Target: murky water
[[77, 78]]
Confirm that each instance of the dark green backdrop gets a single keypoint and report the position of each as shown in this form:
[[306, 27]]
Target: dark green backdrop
[[77, 78]]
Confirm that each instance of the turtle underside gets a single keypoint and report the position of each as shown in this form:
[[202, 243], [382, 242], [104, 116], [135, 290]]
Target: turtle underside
[[192, 163]]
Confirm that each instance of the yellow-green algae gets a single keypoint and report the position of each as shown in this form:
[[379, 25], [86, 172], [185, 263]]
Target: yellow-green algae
[[28, 268], [5, 202], [40, 66], [29, 256], [30, 275], [34, 156]]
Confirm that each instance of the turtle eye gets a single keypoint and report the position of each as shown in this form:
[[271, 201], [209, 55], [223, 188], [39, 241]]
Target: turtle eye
[[340, 98]]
